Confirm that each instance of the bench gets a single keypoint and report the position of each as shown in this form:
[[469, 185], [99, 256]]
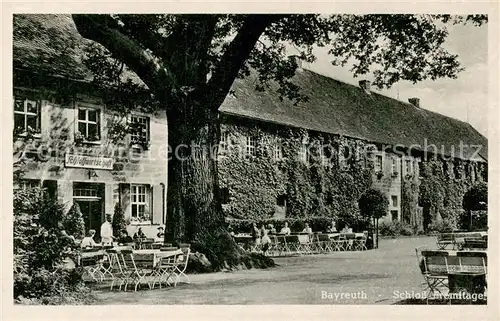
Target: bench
[[455, 239]]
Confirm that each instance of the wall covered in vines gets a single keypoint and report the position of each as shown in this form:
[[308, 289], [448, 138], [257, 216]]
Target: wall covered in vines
[[443, 184], [327, 186], [254, 180]]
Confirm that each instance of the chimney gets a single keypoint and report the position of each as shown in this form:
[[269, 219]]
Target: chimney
[[414, 101], [297, 60], [365, 85]]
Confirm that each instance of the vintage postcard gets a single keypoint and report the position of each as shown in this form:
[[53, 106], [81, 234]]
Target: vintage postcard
[[315, 157]]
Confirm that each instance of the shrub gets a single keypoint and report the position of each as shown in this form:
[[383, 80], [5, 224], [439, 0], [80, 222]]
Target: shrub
[[73, 222], [476, 198], [119, 224], [396, 228], [443, 226], [40, 250], [475, 205]]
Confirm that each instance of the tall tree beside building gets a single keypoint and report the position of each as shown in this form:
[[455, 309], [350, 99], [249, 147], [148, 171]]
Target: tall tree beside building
[[73, 222], [373, 205], [189, 62], [119, 224]]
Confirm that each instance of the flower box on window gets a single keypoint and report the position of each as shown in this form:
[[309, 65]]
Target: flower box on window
[[395, 174], [79, 138], [379, 174]]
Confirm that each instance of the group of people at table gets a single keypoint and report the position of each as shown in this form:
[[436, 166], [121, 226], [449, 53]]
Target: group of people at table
[[261, 236], [107, 237]]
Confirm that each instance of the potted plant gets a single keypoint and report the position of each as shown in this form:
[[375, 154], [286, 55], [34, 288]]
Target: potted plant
[[379, 174], [79, 138]]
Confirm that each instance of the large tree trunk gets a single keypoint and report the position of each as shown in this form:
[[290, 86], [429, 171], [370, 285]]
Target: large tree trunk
[[194, 212]]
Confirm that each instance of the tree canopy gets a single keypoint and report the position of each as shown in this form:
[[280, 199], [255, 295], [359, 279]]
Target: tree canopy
[[373, 204], [200, 55], [476, 198]]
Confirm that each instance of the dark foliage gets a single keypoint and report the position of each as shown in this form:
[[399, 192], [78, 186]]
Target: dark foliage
[[476, 198], [43, 253], [373, 204], [119, 224], [74, 223]]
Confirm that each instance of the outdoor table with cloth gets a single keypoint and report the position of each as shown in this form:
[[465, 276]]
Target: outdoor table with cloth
[[125, 264], [455, 271]]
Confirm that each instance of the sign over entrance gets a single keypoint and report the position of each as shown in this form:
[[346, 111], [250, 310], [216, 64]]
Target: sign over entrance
[[83, 161]]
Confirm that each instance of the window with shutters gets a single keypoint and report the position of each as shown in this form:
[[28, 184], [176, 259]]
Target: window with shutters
[[140, 202], [27, 116]]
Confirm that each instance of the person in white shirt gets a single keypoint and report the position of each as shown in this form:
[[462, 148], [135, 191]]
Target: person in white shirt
[[107, 231], [286, 230], [307, 229], [88, 241]]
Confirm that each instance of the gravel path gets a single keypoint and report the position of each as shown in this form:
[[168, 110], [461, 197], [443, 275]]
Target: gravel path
[[368, 277]]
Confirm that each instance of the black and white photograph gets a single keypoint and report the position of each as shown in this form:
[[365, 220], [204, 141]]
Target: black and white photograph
[[249, 158]]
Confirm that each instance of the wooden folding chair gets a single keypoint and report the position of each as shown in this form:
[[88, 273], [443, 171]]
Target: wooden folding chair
[[304, 244], [434, 268], [324, 243], [293, 244], [138, 268], [164, 270], [349, 243], [280, 248], [338, 242], [91, 260], [181, 265], [443, 240], [360, 243]]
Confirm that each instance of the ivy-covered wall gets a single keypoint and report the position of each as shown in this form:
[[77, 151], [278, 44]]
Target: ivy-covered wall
[[323, 187], [443, 184], [274, 179]]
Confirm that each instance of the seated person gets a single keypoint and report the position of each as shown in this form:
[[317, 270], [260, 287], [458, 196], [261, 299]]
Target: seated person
[[332, 228], [124, 237], [307, 229], [272, 230], [161, 233], [88, 241], [139, 234], [286, 230], [266, 242]]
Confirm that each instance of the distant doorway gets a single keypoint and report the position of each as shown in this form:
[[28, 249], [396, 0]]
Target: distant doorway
[[90, 198]]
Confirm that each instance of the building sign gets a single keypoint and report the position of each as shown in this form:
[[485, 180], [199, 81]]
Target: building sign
[[83, 161]]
